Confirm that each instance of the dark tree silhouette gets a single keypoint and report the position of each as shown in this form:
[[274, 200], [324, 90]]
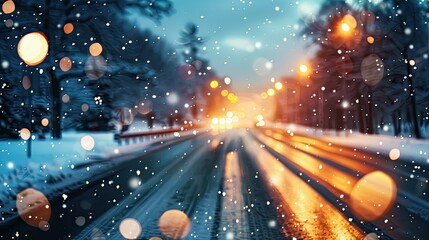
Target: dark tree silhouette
[[94, 15]]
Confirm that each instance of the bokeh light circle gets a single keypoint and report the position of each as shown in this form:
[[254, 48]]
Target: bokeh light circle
[[84, 107], [144, 107], [371, 236], [394, 154], [65, 64], [33, 48], [130, 228], [33, 208], [87, 142], [214, 84], [45, 122], [350, 21], [8, 7], [26, 83], [25, 134], [174, 224], [68, 28], [95, 49], [173, 98], [227, 80], [373, 196], [372, 69]]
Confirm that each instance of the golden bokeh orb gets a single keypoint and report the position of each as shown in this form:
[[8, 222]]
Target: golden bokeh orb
[[224, 93], [87, 143], [45, 122], [394, 154], [95, 49], [174, 224], [130, 228], [25, 134], [65, 64], [373, 196], [68, 28], [345, 27], [33, 208], [214, 84], [303, 68], [33, 48], [8, 7]]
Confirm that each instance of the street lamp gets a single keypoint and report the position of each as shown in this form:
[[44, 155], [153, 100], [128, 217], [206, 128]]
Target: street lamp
[[303, 68], [214, 84]]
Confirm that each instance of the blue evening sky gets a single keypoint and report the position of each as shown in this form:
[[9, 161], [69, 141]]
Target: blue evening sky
[[249, 41]]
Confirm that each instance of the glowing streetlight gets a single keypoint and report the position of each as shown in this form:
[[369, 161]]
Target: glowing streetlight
[[278, 85], [271, 92], [347, 24], [214, 84], [33, 48], [303, 68], [345, 27]]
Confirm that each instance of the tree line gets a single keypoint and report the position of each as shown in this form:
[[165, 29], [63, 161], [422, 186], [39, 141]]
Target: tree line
[[136, 75], [371, 67]]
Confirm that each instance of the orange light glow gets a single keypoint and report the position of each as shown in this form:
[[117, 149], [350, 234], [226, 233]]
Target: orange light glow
[[370, 39], [45, 122], [65, 64], [345, 27], [303, 68], [33, 48], [373, 196], [174, 224], [25, 134], [214, 84], [271, 92], [349, 22], [95, 49], [34, 208], [301, 199], [224, 93], [8, 7], [68, 28], [278, 85]]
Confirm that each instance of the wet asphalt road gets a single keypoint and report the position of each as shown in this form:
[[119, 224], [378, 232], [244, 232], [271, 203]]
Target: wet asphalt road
[[240, 184]]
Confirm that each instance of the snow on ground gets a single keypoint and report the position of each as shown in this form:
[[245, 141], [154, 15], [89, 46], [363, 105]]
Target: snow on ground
[[55, 165], [410, 149]]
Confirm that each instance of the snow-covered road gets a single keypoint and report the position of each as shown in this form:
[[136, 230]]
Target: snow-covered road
[[240, 184]]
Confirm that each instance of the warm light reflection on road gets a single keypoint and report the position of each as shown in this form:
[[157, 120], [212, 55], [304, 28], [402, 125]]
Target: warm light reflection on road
[[333, 154], [331, 178], [307, 214], [370, 197]]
